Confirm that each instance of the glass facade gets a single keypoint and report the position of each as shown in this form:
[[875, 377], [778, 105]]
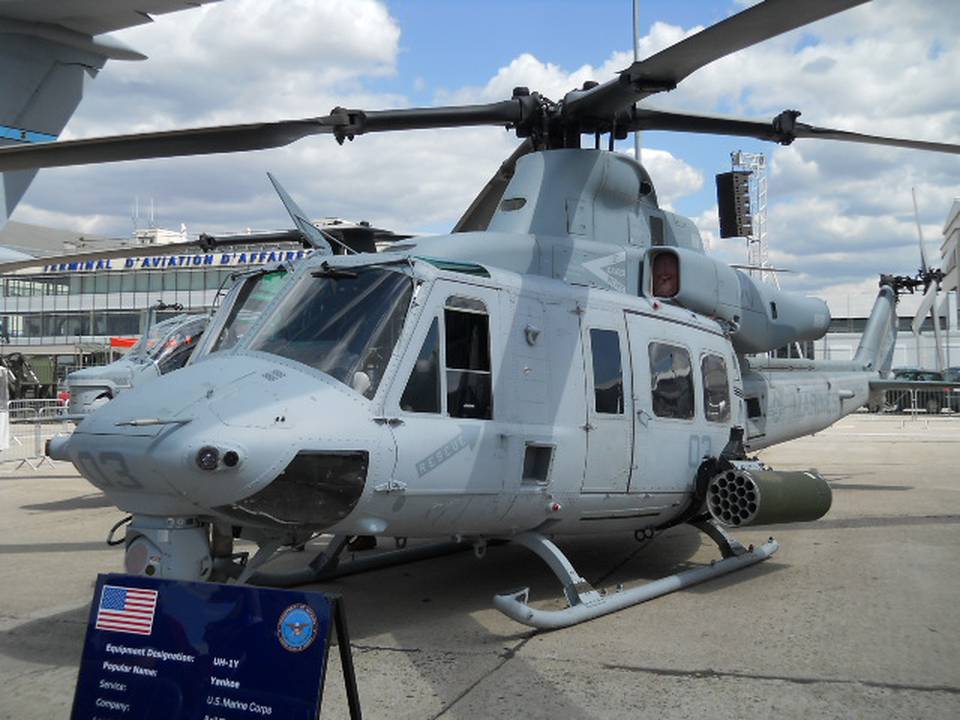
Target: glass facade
[[71, 308]]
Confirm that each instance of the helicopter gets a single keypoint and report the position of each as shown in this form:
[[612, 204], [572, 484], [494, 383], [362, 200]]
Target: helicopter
[[567, 361], [164, 346]]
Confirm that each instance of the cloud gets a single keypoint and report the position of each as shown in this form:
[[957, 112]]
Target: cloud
[[837, 212], [224, 62], [83, 224], [673, 177], [840, 212]]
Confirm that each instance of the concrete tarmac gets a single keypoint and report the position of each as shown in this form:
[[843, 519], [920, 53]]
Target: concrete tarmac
[[856, 616]]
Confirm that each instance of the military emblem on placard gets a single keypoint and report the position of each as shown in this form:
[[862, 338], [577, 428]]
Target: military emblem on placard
[[297, 627]]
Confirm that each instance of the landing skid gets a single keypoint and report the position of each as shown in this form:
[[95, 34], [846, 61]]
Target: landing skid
[[586, 603]]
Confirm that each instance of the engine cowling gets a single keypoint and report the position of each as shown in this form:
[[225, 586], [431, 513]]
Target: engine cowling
[[760, 317]]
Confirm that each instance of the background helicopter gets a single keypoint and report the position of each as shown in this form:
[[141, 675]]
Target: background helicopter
[[530, 383]]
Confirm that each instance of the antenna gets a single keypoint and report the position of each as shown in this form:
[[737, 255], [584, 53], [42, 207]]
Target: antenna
[[637, 139]]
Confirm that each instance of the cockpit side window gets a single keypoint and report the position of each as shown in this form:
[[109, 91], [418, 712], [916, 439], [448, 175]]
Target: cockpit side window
[[422, 393], [254, 295], [469, 378]]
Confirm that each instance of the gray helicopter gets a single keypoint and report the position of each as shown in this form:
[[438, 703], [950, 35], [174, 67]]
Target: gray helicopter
[[164, 347], [567, 361]]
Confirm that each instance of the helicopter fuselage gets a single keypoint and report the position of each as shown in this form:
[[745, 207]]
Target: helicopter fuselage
[[486, 404]]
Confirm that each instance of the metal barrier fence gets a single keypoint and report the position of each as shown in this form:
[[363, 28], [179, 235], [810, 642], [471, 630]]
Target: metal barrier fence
[[927, 402], [31, 423]]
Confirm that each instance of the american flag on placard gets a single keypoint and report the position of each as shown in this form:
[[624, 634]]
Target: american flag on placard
[[124, 609]]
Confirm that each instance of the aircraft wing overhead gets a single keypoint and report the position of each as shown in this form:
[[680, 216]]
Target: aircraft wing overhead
[[48, 48], [92, 17]]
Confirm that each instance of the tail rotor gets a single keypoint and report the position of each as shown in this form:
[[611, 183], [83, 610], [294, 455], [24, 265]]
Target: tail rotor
[[932, 277]]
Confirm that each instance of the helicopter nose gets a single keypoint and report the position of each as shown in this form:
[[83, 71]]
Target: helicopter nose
[[239, 437]]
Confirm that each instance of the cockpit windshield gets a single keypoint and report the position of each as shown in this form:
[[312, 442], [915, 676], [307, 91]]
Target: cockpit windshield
[[254, 295], [148, 343], [176, 347], [169, 343], [343, 322]]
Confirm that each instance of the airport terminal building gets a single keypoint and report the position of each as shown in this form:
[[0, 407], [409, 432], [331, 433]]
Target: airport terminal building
[[67, 315], [88, 303]]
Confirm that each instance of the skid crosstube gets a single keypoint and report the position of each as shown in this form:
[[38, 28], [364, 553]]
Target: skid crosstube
[[586, 603]]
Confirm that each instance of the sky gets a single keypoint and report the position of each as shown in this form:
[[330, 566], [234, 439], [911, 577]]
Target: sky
[[838, 214]]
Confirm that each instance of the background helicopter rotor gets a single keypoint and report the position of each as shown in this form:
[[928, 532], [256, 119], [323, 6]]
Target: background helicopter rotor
[[931, 278]]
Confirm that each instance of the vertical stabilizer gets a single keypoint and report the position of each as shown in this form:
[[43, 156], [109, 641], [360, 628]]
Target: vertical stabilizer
[[875, 351], [41, 83]]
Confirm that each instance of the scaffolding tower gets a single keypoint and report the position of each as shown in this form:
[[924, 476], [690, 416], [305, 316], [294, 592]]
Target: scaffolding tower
[[757, 253]]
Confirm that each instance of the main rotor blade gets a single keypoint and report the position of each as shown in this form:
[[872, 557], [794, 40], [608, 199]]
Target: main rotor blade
[[481, 210], [928, 299], [783, 129], [342, 123], [924, 265], [664, 70]]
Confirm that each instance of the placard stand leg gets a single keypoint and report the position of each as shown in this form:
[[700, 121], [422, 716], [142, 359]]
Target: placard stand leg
[[346, 659]]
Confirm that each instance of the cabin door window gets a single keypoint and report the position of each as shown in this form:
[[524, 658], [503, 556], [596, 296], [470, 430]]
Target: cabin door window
[[609, 425], [671, 381], [467, 346], [607, 371], [716, 389]]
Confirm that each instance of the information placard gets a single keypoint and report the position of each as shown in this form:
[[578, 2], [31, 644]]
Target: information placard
[[170, 649]]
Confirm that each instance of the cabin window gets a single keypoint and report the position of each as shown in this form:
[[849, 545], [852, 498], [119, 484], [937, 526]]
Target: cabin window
[[671, 381], [607, 371], [469, 380], [716, 389], [422, 393]]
